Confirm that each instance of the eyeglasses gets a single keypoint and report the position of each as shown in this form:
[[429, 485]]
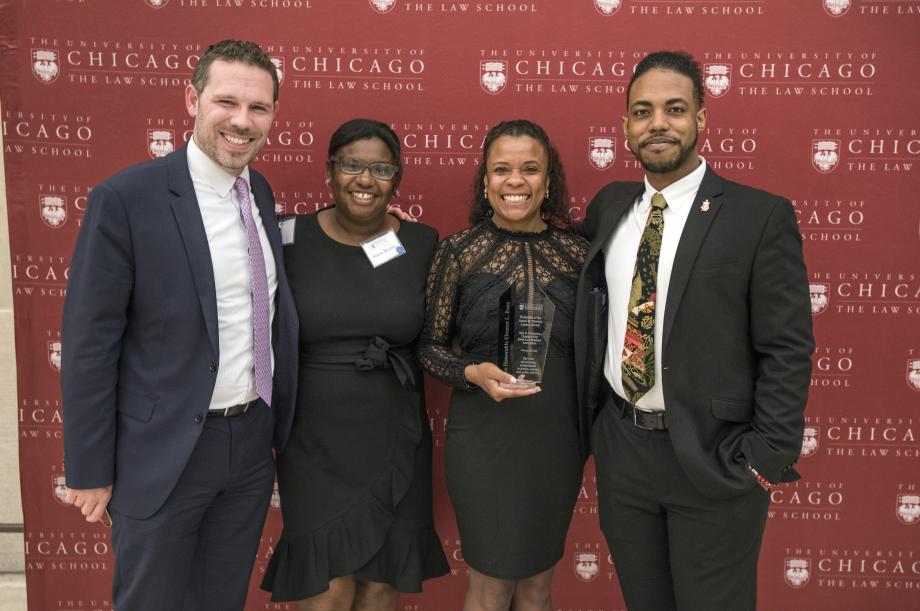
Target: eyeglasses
[[379, 170]]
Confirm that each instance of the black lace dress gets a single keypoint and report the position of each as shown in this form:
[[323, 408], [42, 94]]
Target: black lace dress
[[355, 476], [513, 468]]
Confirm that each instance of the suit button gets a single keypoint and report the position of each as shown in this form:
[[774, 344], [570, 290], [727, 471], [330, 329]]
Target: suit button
[[198, 419], [212, 367]]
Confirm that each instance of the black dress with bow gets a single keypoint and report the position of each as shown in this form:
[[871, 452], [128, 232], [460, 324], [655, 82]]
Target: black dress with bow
[[355, 477]]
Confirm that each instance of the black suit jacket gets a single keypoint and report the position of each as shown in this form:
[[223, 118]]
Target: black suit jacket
[[139, 336], [737, 339]]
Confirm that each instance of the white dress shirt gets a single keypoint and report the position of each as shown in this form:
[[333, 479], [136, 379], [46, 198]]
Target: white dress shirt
[[219, 204], [620, 263]]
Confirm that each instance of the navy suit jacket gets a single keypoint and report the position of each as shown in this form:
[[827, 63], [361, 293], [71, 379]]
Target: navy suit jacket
[[139, 336], [737, 330]]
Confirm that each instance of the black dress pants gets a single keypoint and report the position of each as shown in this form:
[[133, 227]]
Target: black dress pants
[[197, 551], [672, 547]]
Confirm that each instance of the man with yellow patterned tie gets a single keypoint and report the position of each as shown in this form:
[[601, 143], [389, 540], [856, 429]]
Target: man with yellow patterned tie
[[693, 350]]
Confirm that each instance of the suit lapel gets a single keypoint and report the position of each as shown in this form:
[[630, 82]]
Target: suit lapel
[[191, 227], [610, 219], [698, 223], [265, 201], [266, 204]]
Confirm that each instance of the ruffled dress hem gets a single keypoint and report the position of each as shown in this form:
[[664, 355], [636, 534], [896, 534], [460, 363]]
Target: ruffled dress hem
[[364, 540]]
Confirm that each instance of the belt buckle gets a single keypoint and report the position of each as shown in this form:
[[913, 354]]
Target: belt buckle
[[635, 412], [229, 411]]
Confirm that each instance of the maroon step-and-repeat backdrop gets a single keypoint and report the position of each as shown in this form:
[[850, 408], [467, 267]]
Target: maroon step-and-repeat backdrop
[[813, 99]]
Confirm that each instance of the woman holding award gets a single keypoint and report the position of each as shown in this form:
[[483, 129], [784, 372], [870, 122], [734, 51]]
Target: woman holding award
[[501, 294], [355, 476]]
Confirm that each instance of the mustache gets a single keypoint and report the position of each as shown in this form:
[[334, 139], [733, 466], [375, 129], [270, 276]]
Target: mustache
[[658, 140]]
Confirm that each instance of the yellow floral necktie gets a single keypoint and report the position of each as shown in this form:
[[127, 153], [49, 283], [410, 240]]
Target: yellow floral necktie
[[638, 362]]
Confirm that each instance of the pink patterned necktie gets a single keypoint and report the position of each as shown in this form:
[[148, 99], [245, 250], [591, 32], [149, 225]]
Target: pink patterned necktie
[[261, 348]]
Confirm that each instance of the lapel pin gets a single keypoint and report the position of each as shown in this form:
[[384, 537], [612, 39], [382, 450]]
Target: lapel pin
[[704, 207]]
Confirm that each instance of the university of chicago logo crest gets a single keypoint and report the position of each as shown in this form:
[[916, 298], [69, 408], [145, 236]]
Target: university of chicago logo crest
[[607, 7], [586, 566], [160, 142], [913, 373], [383, 6], [809, 442], [836, 8], [53, 210], [156, 3], [825, 155], [54, 355], [279, 67], [908, 508], [59, 488], [717, 78], [45, 66], [601, 152], [797, 571], [820, 293], [275, 503], [493, 75]]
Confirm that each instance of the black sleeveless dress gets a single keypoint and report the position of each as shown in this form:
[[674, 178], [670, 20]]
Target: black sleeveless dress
[[355, 476], [514, 468]]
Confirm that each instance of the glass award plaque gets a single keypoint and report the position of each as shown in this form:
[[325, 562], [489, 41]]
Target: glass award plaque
[[525, 319]]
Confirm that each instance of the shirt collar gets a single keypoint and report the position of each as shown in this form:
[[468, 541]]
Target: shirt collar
[[679, 193], [204, 169]]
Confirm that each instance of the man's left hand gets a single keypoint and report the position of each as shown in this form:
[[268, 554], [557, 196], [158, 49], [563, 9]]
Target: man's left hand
[[91, 502]]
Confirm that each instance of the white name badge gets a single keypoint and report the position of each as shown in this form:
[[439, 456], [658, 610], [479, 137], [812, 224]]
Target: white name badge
[[383, 248]]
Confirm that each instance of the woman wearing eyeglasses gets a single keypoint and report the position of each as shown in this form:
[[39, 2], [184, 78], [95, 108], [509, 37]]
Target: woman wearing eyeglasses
[[355, 477]]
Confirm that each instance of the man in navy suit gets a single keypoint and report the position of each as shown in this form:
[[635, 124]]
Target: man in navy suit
[[179, 339], [693, 346]]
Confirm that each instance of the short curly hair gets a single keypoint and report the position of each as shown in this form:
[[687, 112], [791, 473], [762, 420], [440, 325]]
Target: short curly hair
[[554, 209], [233, 51], [680, 62]]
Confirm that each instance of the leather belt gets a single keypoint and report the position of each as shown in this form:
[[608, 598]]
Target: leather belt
[[233, 410], [650, 420]]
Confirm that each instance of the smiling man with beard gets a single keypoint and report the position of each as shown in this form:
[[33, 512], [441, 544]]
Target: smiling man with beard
[[179, 336], [693, 347]]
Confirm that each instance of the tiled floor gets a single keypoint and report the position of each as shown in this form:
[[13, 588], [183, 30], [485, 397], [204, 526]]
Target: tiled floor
[[12, 592]]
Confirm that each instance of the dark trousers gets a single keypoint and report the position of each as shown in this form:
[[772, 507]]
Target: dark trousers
[[672, 547], [196, 552]]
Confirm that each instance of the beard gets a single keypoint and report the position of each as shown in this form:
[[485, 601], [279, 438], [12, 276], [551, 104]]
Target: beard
[[232, 161], [664, 166]]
